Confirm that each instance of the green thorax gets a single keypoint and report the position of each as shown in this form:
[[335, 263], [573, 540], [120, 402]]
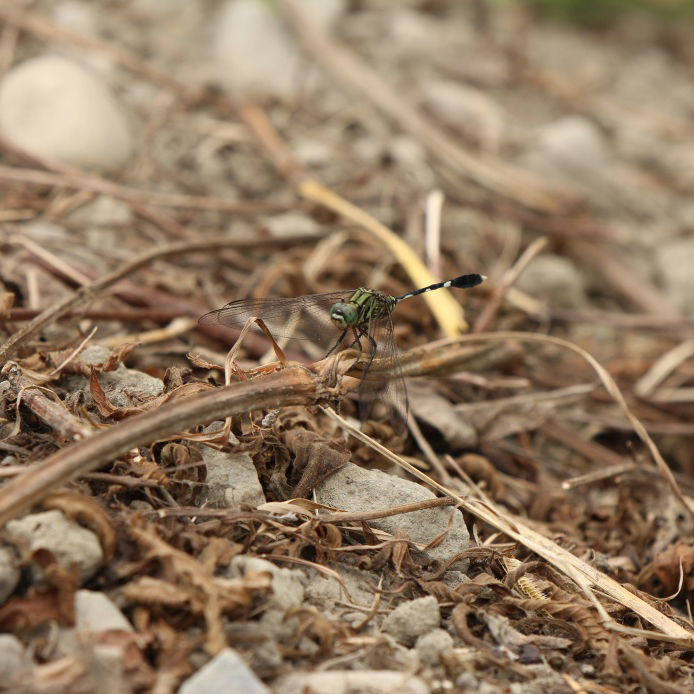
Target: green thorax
[[362, 307]]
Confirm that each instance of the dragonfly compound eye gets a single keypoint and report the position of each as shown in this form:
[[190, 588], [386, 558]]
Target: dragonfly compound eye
[[343, 315]]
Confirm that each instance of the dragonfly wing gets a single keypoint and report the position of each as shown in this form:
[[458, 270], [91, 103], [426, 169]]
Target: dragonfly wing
[[391, 392], [304, 317]]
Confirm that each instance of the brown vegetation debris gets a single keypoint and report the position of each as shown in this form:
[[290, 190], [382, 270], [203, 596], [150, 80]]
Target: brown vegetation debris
[[530, 511]]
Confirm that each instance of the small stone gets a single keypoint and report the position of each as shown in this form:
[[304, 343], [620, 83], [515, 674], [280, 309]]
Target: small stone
[[266, 657], [118, 385], [94, 611], [554, 280], [56, 108], [572, 148], [434, 644], [355, 489], [76, 16], [407, 622], [674, 261], [121, 384], [406, 151], [290, 225], [313, 153], [14, 661], [255, 56], [287, 592], [71, 544], [103, 211], [231, 479], [466, 110], [353, 681], [359, 587], [226, 672], [437, 412]]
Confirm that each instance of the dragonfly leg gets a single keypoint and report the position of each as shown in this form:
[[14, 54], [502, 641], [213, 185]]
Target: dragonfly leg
[[337, 344], [373, 353], [358, 335]]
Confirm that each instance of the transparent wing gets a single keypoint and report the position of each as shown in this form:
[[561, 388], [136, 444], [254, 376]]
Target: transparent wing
[[303, 317], [392, 392]]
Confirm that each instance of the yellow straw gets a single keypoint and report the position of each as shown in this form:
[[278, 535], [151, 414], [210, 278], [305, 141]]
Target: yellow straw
[[448, 312]]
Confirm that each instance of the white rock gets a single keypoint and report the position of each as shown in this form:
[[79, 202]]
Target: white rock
[[14, 661], [324, 591], [226, 672], [324, 13], [71, 544], [350, 681], [415, 618], [231, 479], [466, 110], [572, 145], [555, 280], [118, 385], [76, 16], [9, 573], [353, 488], [291, 224], [434, 644], [103, 211], [94, 611], [674, 262], [254, 54], [415, 30], [313, 153], [55, 108], [287, 593]]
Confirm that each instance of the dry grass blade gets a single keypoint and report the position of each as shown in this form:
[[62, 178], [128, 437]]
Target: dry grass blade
[[662, 368], [96, 184]]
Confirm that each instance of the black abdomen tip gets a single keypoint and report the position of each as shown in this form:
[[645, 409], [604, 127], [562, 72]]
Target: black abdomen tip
[[467, 281]]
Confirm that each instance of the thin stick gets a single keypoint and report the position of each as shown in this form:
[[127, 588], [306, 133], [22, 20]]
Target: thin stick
[[49, 411], [95, 184]]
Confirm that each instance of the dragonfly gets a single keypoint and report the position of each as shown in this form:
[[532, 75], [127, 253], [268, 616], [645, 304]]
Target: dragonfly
[[327, 319]]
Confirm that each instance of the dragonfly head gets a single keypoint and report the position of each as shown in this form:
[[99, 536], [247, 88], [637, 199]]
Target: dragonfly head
[[344, 315]]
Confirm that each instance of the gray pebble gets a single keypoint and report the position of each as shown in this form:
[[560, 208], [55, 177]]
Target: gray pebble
[[58, 109], [407, 622], [71, 544], [226, 672], [355, 489]]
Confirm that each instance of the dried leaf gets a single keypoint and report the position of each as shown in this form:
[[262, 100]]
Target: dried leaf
[[673, 564]]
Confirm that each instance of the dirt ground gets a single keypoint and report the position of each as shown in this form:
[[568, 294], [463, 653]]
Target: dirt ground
[[527, 529]]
